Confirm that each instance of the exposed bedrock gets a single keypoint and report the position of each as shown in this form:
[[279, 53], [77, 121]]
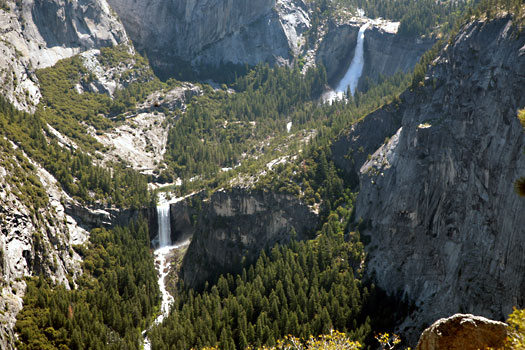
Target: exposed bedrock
[[232, 228], [385, 52], [446, 228], [211, 32]]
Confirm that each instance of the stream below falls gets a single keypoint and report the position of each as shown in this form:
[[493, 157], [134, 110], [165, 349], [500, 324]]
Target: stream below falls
[[162, 254]]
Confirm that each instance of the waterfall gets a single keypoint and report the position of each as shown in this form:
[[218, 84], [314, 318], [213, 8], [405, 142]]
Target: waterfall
[[356, 67], [352, 75], [163, 214]]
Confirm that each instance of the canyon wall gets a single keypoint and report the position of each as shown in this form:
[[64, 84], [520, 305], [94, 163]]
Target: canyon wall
[[385, 51], [233, 227], [437, 204], [37, 33], [212, 32]]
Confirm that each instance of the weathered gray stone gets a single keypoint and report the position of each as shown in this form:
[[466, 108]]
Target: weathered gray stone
[[385, 51], [211, 32], [29, 247], [463, 332], [234, 227], [37, 33], [446, 229]]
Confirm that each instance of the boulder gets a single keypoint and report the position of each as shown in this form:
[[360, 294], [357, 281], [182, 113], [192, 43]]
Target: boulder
[[463, 332]]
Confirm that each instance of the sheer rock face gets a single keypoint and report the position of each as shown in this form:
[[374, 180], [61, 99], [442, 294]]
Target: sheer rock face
[[336, 49], [446, 229], [463, 332], [234, 227], [352, 148], [211, 32], [387, 52], [37, 33]]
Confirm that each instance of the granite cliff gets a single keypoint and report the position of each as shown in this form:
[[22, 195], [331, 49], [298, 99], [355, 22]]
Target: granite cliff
[[232, 228], [39, 240], [436, 200], [212, 32]]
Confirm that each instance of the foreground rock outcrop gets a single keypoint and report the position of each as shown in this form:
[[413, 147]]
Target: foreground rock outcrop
[[437, 204], [212, 32], [463, 332], [232, 228]]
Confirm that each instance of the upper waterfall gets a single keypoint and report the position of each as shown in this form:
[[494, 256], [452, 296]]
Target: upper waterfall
[[163, 214], [353, 73]]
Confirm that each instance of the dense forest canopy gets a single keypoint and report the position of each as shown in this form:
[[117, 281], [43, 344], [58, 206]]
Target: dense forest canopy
[[111, 302]]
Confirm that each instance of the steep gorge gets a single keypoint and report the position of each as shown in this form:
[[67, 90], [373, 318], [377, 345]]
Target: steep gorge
[[435, 134]]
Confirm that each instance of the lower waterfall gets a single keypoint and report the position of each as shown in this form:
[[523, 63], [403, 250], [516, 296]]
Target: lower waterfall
[[163, 219], [162, 264]]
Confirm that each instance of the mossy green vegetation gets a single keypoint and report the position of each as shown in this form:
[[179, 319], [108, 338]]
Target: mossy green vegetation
[[113, 300], [75, 170]]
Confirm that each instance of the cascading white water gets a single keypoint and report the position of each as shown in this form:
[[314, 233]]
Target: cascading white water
[[356, 67], [163, 214], [161, 262], [352, 75]]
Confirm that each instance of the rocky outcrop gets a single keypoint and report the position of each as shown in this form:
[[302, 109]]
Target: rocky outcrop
[[463, 332], [141, 139], [354, 146], [93, 217], [232, 228], [37, 33], [212, 32], [437, 200], [33, 244]]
